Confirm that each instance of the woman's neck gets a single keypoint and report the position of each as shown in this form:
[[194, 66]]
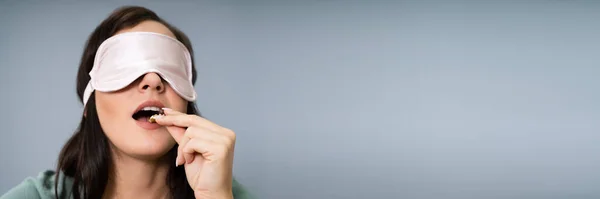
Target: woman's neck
[[135, 178]]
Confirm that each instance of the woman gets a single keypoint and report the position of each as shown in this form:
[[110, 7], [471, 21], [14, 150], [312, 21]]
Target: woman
[[136, 65]]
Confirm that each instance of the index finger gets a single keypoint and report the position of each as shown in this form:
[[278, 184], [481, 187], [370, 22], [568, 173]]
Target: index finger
[[176, 118]]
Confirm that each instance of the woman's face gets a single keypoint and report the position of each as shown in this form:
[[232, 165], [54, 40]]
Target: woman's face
[[130, 136]]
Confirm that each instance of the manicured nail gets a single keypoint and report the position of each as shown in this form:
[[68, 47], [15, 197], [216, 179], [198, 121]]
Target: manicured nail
[[167, 109]]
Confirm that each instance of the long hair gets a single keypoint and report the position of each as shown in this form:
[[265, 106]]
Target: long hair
[[86, 156]]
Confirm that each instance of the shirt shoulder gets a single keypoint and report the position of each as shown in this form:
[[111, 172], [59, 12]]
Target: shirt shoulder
[[240, 191], [40, 187]]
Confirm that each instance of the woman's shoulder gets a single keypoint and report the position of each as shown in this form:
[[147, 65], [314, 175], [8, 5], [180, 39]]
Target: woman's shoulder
[[240, 191], [40, 186]]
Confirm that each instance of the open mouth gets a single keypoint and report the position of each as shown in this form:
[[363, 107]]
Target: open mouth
[[147, 113]]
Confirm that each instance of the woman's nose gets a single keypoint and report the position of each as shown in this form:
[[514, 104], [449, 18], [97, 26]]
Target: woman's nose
[[151, 81]]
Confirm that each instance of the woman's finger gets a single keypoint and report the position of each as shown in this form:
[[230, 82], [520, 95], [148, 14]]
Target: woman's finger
[[198, 133], [184, 158], [171, 111], [176, 118], [176, 132], [209, 150], [206, 134]]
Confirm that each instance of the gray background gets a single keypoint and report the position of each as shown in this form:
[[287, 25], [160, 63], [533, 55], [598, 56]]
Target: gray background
[[347, 99]]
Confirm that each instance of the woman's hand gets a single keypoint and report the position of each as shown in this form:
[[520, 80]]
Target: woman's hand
[[206, 149]]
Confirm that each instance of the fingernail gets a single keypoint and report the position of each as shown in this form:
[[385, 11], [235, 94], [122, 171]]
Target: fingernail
[[177, 161], [167, 109]]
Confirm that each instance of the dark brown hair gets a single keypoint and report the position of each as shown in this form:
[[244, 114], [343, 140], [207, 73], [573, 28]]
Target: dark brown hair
[[86, 157]]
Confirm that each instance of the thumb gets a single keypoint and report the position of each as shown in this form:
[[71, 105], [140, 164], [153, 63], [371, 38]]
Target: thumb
[[176, 132]]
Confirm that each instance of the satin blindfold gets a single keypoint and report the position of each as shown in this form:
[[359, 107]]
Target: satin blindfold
[[123, 58]]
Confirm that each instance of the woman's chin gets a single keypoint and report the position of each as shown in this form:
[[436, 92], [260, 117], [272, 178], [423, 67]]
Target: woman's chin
[[148, 153], [147, 149], [140, 143]]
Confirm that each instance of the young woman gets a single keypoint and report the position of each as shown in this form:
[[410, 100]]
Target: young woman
[[134, 66]]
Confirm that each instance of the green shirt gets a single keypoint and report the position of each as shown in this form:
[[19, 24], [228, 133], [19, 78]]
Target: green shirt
[[42, 187]]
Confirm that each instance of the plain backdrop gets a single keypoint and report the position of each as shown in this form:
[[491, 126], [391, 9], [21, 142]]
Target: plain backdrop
[[347, 99]]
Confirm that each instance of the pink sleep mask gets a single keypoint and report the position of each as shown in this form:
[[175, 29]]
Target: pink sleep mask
[[123, 58]]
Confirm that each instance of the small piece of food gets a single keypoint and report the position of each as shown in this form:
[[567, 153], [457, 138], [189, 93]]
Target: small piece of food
[[152, 119], [148, 114]]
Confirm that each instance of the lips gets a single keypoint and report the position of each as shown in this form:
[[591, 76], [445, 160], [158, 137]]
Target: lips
[[147, 109], [149, 103]]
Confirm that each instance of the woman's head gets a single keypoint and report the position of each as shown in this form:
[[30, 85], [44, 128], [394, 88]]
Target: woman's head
[[129, 133], [108, 126]]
